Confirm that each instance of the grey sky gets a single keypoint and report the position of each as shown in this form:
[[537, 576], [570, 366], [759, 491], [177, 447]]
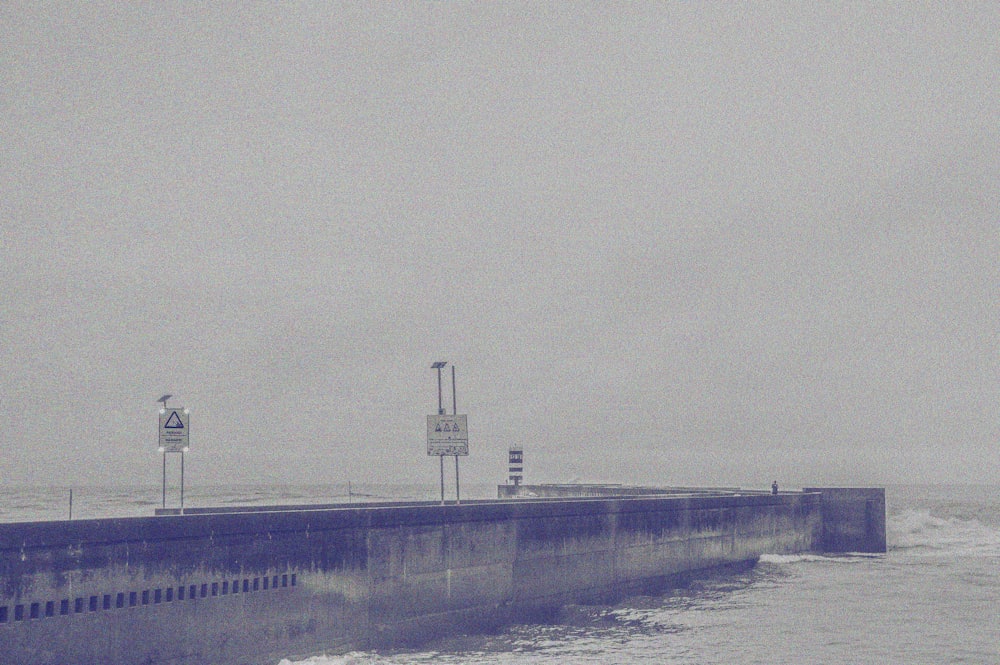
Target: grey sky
[[663, 243]]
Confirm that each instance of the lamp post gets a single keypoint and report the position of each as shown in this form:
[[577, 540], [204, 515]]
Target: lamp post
[[438, 366], [163, 401], [447, 435], [454, 412]]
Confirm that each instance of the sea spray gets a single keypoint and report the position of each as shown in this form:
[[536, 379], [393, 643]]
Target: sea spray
[[921, 531]]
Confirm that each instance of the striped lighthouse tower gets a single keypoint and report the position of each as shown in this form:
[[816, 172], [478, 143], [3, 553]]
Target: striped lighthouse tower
[[516, 465]]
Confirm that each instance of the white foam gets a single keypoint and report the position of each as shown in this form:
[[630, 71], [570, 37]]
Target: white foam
[[355, 658], [846, 557], [920, 530]]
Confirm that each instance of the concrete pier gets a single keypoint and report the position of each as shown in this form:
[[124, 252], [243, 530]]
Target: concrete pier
[[251, 587]]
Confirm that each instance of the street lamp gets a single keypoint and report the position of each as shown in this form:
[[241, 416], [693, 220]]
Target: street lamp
[[438, 365], [163, 409]]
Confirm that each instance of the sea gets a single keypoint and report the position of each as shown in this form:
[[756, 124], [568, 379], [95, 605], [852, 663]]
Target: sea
[[933, 598]]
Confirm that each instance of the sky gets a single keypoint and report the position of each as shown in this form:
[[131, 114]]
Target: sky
[[661, 243]]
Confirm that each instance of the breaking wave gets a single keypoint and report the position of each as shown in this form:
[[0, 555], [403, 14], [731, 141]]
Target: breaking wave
[[848, 557], [347, 659], [921, 531], [917, 532]]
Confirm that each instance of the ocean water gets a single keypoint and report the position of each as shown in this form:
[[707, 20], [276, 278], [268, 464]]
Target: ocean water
[[933, 598]]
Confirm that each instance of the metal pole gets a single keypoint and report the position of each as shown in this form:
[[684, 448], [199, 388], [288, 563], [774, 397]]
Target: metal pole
[[441, 457], [440, 408], [182, 482], [164, 478], [454, 410], [71, 504]]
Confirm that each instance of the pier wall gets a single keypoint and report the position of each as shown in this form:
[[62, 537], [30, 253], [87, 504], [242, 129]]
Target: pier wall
[[255, 587], [853, 518]]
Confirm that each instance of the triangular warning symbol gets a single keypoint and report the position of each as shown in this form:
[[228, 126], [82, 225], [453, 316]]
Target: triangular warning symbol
[[438, 428], [173, 422]]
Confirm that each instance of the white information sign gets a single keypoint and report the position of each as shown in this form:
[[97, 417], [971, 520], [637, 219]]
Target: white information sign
[[447, 435], [175, 424]]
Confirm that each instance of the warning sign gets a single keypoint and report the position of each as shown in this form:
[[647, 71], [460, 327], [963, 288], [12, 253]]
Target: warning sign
[[174, 429], [173, 422], [447, 435]]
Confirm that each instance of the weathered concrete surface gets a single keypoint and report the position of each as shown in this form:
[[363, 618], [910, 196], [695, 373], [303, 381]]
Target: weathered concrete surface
[[356, 577], [853, 518]]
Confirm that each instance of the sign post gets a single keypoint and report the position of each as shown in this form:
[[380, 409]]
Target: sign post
[[174, 437], [448, 434]]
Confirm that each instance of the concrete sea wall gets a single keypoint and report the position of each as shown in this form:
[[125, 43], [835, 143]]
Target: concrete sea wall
[[253, 587], [853, 518]]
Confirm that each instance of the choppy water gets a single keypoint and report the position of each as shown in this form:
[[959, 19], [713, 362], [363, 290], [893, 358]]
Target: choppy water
[[934, 598]]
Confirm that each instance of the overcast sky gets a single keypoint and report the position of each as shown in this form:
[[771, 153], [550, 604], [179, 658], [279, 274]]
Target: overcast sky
[[699, 243]]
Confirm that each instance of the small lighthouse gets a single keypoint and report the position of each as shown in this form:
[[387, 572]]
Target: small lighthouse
[[515, 465]]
